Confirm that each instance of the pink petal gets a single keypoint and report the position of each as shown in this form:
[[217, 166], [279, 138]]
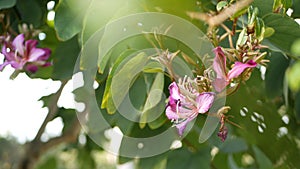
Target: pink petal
[[219, 64], [18, 43], [174, 91], [204, 101], [181, 127], [219, 84], [171, 114], [35, 54], [46, 54], [31, 68], [3, 65], [239, 68]]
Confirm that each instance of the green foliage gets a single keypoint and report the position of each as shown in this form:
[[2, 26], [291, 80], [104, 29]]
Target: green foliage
[[69, 17], [282, 26], [126, 74], [7, 4], [275, 74]]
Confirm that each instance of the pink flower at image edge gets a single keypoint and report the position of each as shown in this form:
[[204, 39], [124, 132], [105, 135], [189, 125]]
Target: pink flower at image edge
[[24, 55]]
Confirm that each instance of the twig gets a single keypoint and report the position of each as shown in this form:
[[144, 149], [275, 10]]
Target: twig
[[216, 20], [52, 111]]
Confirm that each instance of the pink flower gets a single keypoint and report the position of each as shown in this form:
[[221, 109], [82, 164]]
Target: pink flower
[[219, 65], [24, 55], [183, 109]]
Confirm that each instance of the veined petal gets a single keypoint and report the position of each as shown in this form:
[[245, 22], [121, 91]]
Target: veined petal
[[35, 54], [171, 114], [18, 43], [239, 68], [219, 84], [204, 101], [219, 64], [174, 91], [181, 126]]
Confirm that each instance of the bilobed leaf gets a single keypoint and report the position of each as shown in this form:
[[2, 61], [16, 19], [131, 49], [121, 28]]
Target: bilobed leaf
[[7, 4], [69, 17], [286, 30]]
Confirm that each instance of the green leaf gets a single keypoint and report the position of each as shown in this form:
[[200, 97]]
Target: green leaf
[[264, 6], [31, 12], [234, 145], [69, 17], [126, 76], [293, 76], [153, 100], [64, 59], [221, 5], [183, 158], [282, 26], [275, 74], [7, 4], [119, 61], [262, 160]]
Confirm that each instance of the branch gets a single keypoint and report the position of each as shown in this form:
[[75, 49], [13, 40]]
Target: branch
[[216, 20], [52, 111]]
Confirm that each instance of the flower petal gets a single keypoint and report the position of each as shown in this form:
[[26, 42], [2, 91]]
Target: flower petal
[[18, 43], [239, 67], [3, 65], [181, 126], [204, 101], [174, 91], [31, 68], [219, 84], [219, 64], [35, 54], [171, 114]]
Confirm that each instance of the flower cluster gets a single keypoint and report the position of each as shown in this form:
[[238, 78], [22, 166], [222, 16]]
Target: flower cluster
[[187, 98], [185, 103], [24, 55], [223, 77]]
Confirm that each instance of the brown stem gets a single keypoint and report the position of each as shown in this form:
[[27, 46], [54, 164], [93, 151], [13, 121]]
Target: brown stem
[[216, 20], [36, 148], [52, 111]]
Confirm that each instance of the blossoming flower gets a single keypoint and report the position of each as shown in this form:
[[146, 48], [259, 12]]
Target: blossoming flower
[[185, 103], [24, 55], [219, 65]]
